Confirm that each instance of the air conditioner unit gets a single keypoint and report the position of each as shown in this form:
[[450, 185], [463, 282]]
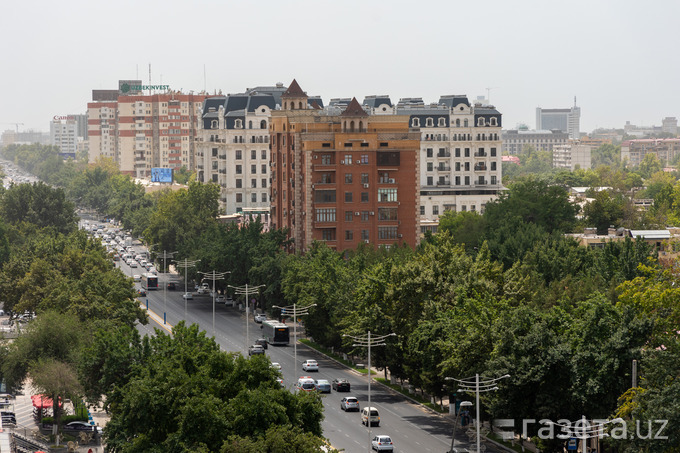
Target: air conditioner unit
[[316, 157], [400, 235], [366, 241], [372, 213], [356, 213], [342, 162], [312, 186], [365, 186]]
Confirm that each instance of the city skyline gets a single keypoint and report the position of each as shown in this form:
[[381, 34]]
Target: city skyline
[[523, 55]]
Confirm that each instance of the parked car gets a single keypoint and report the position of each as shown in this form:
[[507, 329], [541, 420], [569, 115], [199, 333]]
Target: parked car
[[262, 342], [349, 403], [310, 365], [82, 426], [370, 415], [340, 385], [382, 443], [255, 349], [260, 317], [323, 386]]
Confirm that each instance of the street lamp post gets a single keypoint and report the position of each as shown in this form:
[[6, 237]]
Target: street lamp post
[[367, 341], [213, 275], [296, 311], [477, 386], [455, 424], [185, 264], [585, 430], [247, 291], [165, 286]]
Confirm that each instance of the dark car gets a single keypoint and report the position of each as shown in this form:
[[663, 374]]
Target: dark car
[[141, 292], [262, 342], [340, 385], [172, 286]]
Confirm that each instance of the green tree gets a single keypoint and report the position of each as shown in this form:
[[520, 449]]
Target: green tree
[[605, 210], [650, 164], [465, 227], [40, 205]]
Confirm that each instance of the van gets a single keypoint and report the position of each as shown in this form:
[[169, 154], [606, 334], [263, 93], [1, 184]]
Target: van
[[373, 418]]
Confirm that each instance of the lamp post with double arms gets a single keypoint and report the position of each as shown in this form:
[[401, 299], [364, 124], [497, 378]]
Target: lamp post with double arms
[[213, 275], [247, 291], [186, 264], [294, 311], [368, 341], [477, 386]]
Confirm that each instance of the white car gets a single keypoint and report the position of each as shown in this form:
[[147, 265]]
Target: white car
[[382, 443], [260, 317], [310, 365], [276, 366], [137, 277], [188, 296], [220, 299]]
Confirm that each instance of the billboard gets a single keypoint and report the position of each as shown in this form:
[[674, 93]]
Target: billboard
[[161, 175]]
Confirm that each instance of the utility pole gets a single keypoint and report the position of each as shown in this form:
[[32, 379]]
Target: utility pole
[[186, 264], [247, 291], [213, 275]]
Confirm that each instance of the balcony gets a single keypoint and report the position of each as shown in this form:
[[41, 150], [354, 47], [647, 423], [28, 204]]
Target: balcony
[[386, 181], [481, 154], [324, 167], [484, 182], [444, 154], [444, 183], [481, 168], [443, 168]]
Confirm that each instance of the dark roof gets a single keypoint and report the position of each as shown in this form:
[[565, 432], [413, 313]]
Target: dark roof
[[294, 90], [486, 111], [454, 100], [315, 100], [354, 109], [376, 101]]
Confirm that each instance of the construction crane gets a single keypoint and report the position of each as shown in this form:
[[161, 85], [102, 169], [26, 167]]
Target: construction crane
[[15, 124]]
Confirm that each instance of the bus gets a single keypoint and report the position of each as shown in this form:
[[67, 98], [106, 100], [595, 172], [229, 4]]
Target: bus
[[149, 281], [275, 332]]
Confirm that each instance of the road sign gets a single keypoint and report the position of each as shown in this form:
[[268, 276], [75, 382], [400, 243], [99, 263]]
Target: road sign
[[572, 444]]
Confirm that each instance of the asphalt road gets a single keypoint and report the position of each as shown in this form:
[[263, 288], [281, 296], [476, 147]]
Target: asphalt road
[[412, 427]]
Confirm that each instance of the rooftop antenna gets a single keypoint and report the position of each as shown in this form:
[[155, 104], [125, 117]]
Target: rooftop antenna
[[574, 101], [204, 80], [149, 78], [488, 94]]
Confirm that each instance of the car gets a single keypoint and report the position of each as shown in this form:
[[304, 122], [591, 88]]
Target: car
[[188, 296], [370, 415], [260, 317], [172, 286], [262, 342], [141, 292], [255, 350], [382, 443], [322, 386], [202, 290], [220, 299], [82, 426], [349, 403], [137, 277], [305, 384], [276, 366], [280, 381], [340, 385], [133, 264], [310, 365]]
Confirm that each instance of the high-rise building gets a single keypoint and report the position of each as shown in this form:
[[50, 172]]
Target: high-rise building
[[341, 175], [64, 134], [572, 156], [565, 120]]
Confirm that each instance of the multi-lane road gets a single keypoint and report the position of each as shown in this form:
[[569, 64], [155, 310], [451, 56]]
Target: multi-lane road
[[412, 427]]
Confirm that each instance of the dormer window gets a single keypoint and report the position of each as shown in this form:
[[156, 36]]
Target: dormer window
[[441, 122], [213, 124], [429, 122], [238, 124], [480, 121], [415, 122], [493, 121]]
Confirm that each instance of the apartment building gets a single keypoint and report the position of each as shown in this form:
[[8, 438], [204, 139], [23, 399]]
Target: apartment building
[[64, 134], [233, 148], [572, 156], [102, 125], [460, 153], [341, 175], [666, 150], [515, 140]]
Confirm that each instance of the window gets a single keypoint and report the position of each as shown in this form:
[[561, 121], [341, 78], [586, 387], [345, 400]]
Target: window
[[238, 170], [239, 183], [349, 235], [264, 154], [467, 152], [388, 214], [473, 208], [253, 183], [387, 195], [264, 169], [253, 169], [387, 232], [264, 183], [364, 159], [364, 235], [467, 180], [429, 122], [364, 197], [463, 208], [429, 166], [328, 234], [415, 122], [264, 197], [253, 154], [364, 178], [324, 196], [493, 166], [348, 197], [457, 152], [422, 210], [457, 166], [214, 152], [325, 215], [429, 180], [364, 216], [326, 159], [493, 152], [441, 122], [480, 121], [467, 166], [348, 178], [429, 152], [253, 197], [458, 180], [435, 210], [349, 215], [493, 121], [493, 180], [238, 124], [348, 159], [465, 123], [239, 198], [238, 154]]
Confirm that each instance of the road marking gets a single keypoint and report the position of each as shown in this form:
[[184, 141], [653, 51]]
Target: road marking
[[157, 319]]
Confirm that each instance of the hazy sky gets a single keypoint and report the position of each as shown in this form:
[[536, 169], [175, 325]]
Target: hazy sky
[[619, 58]]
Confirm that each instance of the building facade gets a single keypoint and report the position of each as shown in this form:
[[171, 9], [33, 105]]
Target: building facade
[[572, 156], [665, 149], [514, 141], [64, 134], [343, 176], [565, 120]]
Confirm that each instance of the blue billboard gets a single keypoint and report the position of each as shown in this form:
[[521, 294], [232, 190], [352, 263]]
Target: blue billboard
[[161, 175]]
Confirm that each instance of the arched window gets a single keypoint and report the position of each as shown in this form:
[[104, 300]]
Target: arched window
[[429, 122], [238, 124], [415, 122], [213, 124], [442, 122], [493, 122], [250, 124], [361, 126], [351, 126], [465, 122], [292, 105], [480, 121], [300, 105], [263, 124]]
